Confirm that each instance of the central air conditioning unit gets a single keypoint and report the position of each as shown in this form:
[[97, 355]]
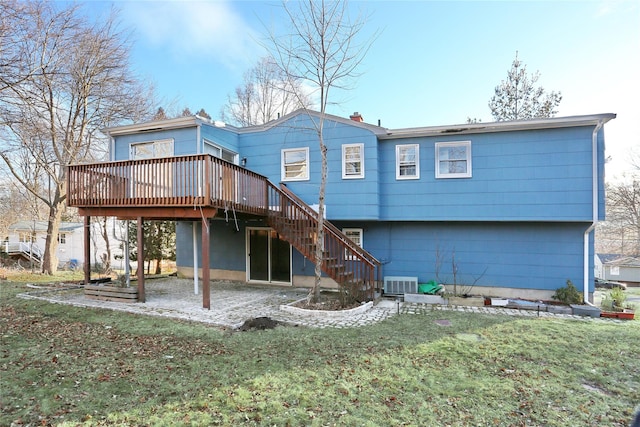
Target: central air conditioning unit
[[400, 285]]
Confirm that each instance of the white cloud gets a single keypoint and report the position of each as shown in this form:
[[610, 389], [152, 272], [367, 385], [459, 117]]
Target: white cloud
[[195, 29]]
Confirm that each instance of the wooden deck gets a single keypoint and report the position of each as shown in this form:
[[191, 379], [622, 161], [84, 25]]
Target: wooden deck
[[196, 187], [173, 187]]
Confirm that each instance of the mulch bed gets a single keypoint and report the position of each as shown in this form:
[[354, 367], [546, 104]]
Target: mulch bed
[[328, 302]]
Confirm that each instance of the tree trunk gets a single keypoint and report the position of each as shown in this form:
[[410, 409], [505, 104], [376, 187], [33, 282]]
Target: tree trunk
[[50, 258], [314, 296], [105, 235]]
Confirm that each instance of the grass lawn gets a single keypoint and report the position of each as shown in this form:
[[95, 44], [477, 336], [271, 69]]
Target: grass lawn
[[68, 366]]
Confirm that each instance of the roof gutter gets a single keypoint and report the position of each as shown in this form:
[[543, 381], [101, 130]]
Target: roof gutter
[[594, 202]]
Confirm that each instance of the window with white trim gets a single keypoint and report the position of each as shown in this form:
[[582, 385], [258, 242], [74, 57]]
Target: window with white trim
[[152, 149], [352, 161], [453, 159], [295, 164], [62, 238], [157, 181], [220, 152], [408, 161], [355, 235]]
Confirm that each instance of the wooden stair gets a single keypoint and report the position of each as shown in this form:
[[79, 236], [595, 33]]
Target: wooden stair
[[355, 270]]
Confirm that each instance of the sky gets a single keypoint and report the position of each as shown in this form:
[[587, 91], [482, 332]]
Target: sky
[[431, 63]]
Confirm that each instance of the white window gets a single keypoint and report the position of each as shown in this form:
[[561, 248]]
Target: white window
[[27, 238], [220, 152], [408, 161], [453, 159], [355, 235], [152, 180], [152, 149], [295, 164], [62, 238], [352, 161]]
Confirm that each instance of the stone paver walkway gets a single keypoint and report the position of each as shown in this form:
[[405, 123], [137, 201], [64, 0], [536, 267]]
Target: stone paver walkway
[[233, 303]]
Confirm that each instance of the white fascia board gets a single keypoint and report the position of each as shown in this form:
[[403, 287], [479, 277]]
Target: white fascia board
[[505, 126], [377, 130], [177, 123]]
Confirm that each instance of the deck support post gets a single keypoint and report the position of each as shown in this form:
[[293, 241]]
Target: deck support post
[[194, 235], [87, 250], [141, 296], [206, 269]]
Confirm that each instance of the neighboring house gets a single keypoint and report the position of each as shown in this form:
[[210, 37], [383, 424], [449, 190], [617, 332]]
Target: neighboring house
[[619, 268], [508, 207], [26, 240]]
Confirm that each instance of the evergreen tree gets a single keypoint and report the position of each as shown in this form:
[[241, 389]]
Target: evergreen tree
[[518, 98]]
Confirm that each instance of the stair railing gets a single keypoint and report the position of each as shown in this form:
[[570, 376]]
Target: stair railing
[[353, 268]]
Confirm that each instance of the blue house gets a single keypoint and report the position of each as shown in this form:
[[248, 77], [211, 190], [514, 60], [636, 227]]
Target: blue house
[[503, 209]]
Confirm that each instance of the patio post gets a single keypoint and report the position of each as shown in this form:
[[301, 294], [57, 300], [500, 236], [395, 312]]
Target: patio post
[[87, 250], [206, 269], [141, 297], [194, 235]]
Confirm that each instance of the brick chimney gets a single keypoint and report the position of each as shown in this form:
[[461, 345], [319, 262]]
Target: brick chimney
[[356, 117]]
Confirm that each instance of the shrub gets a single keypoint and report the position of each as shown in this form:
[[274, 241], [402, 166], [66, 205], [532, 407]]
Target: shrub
[[568, 294], [618, 296]]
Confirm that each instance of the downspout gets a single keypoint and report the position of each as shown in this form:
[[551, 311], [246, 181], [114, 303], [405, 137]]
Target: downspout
[[193, 223], [594, 202], [112, 147]]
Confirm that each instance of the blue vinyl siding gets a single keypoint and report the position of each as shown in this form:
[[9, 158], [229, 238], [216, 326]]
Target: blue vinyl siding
[[517, 222], [184, 141], [226, 249], [542, 175], [351, 198], [226, 138], [530, 255], [516, 255]]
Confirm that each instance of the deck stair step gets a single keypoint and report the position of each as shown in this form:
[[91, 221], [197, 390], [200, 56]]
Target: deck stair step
[[342, 260]]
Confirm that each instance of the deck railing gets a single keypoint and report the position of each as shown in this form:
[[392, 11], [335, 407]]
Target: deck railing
[[206, 181], [26, 249], [194, 180]]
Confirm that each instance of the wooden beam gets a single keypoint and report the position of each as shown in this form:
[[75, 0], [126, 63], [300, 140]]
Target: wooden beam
[[87, 250], [141, 296], [206, 269], [150, 212]]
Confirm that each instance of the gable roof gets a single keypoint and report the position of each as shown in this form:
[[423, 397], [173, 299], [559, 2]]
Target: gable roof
[[605, 258], [381, 132], [312, 114], [625, 261], [41, 226]]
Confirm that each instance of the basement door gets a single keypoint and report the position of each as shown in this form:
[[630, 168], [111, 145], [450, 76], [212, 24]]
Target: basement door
[[268, 256]]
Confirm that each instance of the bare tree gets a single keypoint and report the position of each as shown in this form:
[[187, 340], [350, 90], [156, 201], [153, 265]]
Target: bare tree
[[265, 94], [518, 98], [160, 114], [322, 53], [621, 231], [78, 81]]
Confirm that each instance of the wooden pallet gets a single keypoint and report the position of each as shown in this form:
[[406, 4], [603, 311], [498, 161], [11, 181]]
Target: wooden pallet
[[111, 293]]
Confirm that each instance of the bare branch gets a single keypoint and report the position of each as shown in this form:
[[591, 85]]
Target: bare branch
[[321, 51], [60, 85]]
